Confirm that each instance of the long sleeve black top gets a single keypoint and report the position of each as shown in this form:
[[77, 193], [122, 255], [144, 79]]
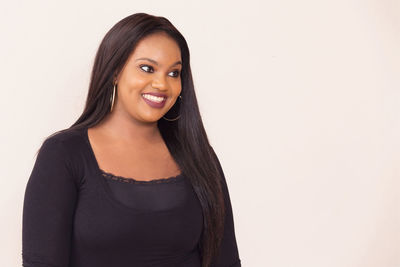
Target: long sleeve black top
[[77, 215]]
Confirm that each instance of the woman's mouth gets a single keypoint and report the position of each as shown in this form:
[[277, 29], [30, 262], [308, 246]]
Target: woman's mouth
[[154, 101]]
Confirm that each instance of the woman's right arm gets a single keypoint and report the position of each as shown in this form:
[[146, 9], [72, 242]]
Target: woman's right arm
[[48, 210]]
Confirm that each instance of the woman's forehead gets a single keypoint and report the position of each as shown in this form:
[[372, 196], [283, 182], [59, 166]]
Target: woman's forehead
[[159, 47]]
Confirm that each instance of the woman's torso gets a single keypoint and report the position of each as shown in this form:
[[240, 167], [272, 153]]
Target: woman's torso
[[121, 222]]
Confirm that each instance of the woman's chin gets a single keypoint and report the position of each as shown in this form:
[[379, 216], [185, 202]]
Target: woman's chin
[[151, 116]]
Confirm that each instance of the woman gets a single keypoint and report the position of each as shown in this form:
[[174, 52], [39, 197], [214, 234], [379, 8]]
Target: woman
[[134, 181]]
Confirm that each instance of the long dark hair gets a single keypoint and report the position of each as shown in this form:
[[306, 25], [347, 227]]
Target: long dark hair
[[185, 138]]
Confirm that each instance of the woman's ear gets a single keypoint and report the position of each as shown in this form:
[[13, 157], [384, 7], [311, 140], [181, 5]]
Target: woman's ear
[[115, 79]]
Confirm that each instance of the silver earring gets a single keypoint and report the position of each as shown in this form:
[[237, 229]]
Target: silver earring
[[180, 97], [112, 98]]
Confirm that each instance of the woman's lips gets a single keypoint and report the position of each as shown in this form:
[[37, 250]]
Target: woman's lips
[[155, 104], [156, 94]]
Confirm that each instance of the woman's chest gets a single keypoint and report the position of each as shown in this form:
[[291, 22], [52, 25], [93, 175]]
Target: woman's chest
[[138, 217]]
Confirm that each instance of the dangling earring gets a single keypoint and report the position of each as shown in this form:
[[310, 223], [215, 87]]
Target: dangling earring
[[112, 98], [180, 97]]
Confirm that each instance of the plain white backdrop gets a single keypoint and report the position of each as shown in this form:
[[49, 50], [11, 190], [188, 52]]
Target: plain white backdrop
[[300, 99]]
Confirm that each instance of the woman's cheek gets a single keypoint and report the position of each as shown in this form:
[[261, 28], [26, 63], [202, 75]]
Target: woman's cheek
[[137, 83]]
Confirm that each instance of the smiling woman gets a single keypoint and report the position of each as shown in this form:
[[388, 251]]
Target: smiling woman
[[149, 90], [134, 181]]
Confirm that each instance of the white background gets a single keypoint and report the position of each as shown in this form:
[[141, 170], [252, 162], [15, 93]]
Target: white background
[[300, 100]]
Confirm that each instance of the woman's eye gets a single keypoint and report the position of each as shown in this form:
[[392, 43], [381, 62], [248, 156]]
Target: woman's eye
[[177, 73], [147, 68], [143, 67]]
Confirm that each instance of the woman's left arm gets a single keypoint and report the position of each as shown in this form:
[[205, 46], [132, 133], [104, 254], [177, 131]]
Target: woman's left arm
[[229, 255]]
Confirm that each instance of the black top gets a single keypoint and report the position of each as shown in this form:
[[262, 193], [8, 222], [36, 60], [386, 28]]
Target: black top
[[77, 215]]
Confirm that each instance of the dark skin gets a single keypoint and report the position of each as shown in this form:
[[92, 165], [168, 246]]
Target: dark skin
[[127, 142]]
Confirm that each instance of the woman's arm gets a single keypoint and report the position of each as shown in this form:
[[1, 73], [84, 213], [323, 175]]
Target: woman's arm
[[49, 206], [229, 255]]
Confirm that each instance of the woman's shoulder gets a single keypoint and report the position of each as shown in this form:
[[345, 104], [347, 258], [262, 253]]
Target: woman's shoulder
[[70, 140], [66, 145], [67, 136]]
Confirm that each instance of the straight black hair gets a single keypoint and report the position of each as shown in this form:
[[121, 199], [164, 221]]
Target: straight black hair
[[185, 138]]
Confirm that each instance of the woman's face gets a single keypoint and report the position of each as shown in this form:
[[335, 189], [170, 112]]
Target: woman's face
[[154, 67]]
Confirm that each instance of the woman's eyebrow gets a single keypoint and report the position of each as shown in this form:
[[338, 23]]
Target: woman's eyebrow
[[155, 62]]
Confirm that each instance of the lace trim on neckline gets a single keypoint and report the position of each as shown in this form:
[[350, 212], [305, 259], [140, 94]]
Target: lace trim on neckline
[[111, 176]]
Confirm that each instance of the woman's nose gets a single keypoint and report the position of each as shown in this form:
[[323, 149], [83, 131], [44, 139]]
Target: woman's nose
[[160, 82]]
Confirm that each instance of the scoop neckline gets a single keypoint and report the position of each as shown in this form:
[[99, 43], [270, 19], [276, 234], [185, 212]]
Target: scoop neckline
[[111, 176], [108, 175]]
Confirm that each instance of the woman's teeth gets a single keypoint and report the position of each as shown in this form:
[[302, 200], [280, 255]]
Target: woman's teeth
[[153, 98]]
